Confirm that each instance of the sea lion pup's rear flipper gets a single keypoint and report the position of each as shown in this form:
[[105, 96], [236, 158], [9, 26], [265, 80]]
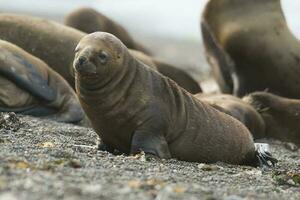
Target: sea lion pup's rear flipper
[[264, 157], [30, 81], [219, 59]]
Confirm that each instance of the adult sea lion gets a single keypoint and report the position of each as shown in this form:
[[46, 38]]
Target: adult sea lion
[[89, 20], [51, 42], [251, 47], [238, 109], [281, 115], [133, 108], [29, 86]]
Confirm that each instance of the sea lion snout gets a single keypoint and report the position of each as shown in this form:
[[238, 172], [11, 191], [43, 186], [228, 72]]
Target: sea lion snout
[[83, 65]]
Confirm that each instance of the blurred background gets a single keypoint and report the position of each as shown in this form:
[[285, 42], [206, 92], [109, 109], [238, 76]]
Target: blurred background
[[169, 28]]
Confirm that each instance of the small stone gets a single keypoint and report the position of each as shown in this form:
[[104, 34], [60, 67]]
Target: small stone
[[46, 145], [206, 167], [291, 146], [179, 189], [74, 164]]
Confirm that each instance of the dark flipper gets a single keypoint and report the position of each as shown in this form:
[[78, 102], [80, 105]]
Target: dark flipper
[[150, 143], [25, 76], [264, 157], [36, 110], [223, 66]]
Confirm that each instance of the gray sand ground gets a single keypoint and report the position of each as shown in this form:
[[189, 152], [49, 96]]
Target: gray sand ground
[[41, 159]]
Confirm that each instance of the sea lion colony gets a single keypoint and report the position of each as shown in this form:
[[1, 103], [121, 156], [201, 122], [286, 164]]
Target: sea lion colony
[[124, 89]]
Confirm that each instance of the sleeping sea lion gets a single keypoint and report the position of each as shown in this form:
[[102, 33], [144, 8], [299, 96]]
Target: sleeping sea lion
[[51, 42], [238, 109], [251, 47], [133, 108], [89, 20], [30, 87], [281, 115]]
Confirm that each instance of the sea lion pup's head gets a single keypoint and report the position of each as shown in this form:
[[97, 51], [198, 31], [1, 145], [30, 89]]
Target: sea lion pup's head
[[98, 57]]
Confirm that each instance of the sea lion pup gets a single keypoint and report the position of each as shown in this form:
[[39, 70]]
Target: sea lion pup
[[51, 42], [133, 108], [29, 86], [252, 45], [183, 79], [281, 115], [89, 20], [238, 109]]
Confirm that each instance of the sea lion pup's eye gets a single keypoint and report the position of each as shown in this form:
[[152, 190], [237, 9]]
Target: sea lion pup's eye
[[103, 57]]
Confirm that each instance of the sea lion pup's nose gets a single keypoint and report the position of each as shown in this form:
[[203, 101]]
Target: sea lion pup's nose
[[80, 63], [82, 60]]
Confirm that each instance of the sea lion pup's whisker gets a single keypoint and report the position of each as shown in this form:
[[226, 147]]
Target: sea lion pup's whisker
[[149, 112]]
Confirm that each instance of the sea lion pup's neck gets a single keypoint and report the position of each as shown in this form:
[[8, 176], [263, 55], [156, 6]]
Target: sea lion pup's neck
[[108, 89]]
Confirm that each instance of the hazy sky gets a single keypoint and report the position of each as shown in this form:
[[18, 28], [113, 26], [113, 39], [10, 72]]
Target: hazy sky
[[172, 18]]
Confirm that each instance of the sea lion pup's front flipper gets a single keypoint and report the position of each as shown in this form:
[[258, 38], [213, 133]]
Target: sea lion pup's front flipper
[[150, 139], [219, 59], [262, 153], [29, 79]]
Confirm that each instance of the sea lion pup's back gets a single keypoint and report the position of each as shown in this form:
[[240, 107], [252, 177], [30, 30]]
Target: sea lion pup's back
[[51, 42], [183, 79], [133, 108], [238, 109], [252, 47], [89, 20]]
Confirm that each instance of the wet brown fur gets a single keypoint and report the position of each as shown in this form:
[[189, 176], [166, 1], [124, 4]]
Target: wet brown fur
[[238, 109], [281, 115]]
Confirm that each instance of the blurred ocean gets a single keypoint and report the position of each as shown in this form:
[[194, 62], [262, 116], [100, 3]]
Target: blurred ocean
[[170, 28]]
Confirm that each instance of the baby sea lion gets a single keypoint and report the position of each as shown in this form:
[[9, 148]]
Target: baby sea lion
[[29, 86], [89, 20], [251, 47], [133, 108], [281, 115], [51, 42], [183, 79], [238, 109]]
